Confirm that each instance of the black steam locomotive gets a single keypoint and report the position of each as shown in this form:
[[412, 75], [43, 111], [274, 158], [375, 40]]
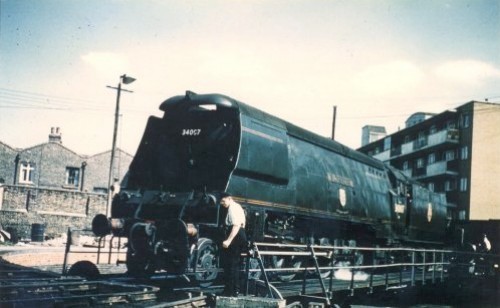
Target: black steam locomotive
[[295, 186]]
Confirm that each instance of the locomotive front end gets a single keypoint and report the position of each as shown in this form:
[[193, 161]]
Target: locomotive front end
[[169, 207]]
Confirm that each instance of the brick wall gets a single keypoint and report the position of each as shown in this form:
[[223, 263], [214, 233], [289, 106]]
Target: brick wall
[[7, 162], [97, 170], [49, 163], [56, 209]]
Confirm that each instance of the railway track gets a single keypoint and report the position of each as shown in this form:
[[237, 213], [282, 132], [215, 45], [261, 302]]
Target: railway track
[[31, 287], [44, 286], [28, 287]]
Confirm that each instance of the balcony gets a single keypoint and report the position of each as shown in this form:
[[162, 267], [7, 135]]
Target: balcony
[[406, 148], [436, 169], [420, 143], [444, 136], [447, 136], [383, 156], [408, 172]]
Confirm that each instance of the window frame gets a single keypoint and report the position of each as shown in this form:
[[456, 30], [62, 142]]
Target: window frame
[[464, 153], [74, 177], [464, 183], [26, 172]]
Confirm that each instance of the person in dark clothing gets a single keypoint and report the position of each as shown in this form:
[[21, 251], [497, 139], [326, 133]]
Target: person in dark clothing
[[234, 244]]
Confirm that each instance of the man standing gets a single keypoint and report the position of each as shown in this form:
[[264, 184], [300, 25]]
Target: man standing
[[236, 241]]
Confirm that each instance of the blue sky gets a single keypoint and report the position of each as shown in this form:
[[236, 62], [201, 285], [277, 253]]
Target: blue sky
[[377, 61]]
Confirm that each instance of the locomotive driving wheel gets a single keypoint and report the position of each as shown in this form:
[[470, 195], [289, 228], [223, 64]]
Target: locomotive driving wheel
[[285, 262], [206, 265], [255, 271], [322, 261], [139, 264]]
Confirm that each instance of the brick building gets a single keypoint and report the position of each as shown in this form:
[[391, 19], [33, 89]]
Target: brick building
[[51, 185], [52, 165], [455, 152]]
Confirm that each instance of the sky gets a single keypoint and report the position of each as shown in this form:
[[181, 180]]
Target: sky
[[377, 61]]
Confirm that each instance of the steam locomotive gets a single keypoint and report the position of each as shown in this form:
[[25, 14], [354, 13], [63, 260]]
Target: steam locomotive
[[295, 186]]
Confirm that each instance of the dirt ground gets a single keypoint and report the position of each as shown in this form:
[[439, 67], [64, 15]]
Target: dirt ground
[[52, 252]]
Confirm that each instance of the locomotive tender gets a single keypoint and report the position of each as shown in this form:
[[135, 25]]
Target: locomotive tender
[[295, 186]]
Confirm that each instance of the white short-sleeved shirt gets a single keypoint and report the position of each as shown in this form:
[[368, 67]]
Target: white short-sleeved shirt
[[235, 215], [487, 244]]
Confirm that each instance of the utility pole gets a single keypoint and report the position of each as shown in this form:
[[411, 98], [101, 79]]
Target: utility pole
[[333, 121], [126, 80]]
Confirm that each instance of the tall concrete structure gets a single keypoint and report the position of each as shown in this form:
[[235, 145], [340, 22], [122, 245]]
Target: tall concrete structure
[[455, 152], [372, 133]]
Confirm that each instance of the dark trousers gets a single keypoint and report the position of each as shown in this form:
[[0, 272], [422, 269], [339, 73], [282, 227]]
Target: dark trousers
[[231, 260]]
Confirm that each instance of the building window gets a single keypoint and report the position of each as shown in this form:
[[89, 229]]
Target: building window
[[461, 215], [432, 158], [463, 184], [26, 173], [433, 129], [421, 137], [387, 143], [450, 185], [420, 163], [465, 152], [430, 186], [72, 176], [466, 120], [405, 165], [449, 155]]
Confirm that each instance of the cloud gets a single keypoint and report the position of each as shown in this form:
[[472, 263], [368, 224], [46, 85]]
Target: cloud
[[106, 63], [395, 77], [466, 72]]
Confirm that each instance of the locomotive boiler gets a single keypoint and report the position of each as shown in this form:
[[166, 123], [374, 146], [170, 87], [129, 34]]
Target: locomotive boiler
[[295, 186]]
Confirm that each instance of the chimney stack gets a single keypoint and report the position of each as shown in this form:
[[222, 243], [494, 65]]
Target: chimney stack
[[55, 135]]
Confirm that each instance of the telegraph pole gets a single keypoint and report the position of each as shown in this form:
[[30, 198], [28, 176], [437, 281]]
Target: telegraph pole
[[333, 121], [126, 80]]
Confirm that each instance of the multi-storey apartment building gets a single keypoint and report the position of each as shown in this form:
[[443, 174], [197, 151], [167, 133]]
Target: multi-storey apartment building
[[455, 152]]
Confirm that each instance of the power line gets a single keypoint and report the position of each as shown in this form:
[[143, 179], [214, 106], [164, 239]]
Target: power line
[[48, 97], [14, 99]]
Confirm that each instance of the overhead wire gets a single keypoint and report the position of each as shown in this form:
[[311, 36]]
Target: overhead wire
[[16, 99]]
